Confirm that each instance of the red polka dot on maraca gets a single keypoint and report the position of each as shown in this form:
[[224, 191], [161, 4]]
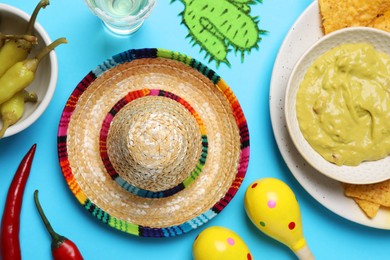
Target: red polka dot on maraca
[[291, 225]]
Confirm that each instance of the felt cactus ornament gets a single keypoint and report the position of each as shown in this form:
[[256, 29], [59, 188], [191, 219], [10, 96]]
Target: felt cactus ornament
[[221, 25]]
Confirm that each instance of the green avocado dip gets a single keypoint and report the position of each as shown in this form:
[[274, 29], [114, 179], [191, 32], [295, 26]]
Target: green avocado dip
[[343, 104]]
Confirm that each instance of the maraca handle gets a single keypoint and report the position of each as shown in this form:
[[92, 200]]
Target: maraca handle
[[304, 253]]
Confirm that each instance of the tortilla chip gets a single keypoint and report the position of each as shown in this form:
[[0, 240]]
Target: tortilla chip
[[369, 208], [382, 22], [376, 193], [336, 14]]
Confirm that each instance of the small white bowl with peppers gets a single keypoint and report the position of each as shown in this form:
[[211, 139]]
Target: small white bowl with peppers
[[39, 92]]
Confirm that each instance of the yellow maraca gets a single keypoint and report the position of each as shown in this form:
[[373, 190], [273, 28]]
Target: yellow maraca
[[220, 243], [273, 208]]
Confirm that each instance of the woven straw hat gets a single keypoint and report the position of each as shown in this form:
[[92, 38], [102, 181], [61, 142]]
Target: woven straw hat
[[153, 143]]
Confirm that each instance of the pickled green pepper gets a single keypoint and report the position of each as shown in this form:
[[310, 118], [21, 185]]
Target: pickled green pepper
[[20, 75], [12, 110], [17, 50]]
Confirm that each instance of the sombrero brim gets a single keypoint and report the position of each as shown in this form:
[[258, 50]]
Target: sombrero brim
[[155, 71]]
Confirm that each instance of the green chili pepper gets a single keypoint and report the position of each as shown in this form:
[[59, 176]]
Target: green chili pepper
[[20, 75], [12, 110], [17, 50]]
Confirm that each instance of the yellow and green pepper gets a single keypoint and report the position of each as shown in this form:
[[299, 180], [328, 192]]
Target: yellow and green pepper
[[20, 75], [18, 49], [12, 110]]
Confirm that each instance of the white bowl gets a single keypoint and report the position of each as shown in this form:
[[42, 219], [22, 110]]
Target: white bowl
[[366, 172], [14, 21]]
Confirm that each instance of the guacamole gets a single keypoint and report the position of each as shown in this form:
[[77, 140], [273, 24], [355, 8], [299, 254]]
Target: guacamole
[[343, 104]]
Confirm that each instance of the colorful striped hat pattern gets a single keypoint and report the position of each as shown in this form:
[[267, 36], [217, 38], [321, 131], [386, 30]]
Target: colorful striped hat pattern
[[153, 143]]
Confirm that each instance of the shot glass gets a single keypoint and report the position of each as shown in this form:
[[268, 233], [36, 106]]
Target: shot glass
[[123, 17]]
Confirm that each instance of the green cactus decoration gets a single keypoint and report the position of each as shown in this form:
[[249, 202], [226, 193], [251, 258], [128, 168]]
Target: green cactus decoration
[[216, 25]]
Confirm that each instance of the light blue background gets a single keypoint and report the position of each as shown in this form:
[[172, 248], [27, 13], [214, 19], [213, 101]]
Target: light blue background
[[328, 235]]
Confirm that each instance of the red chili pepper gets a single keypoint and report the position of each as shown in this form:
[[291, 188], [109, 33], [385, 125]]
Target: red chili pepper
[[10, 224], [61, 247]]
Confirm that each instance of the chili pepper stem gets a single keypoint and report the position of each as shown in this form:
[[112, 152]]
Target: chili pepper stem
[[54, 235], [62, 248], [50, 47], [32, 64], [31, 23], [30, 96]]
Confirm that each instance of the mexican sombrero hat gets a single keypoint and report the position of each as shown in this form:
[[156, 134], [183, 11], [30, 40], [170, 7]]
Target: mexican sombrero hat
[[153, 143]]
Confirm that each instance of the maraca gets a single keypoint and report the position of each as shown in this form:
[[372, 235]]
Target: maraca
[[273, 208], [220, 243]]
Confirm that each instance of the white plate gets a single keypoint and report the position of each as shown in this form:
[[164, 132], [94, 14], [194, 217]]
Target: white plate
[[305, 32]]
